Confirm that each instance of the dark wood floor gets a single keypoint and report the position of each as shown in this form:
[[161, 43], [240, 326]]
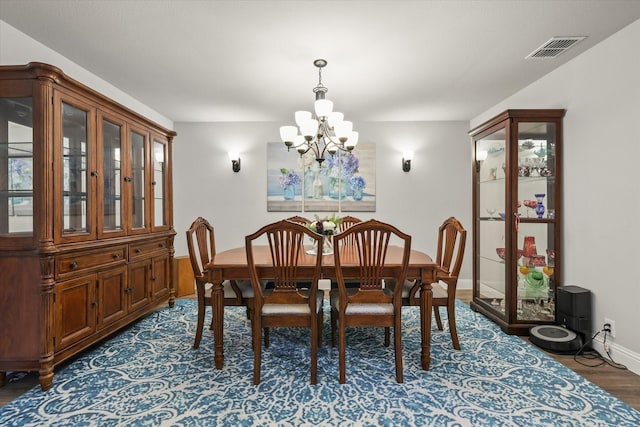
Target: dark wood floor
[[623, 384]]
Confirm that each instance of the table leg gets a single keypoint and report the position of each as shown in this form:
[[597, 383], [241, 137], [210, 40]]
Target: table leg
[[426, 305], [217, 305]]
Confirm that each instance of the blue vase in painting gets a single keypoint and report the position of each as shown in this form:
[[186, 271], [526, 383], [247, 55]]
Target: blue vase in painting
[[309, 179], [337, 188], [357, 194], [289, 192]]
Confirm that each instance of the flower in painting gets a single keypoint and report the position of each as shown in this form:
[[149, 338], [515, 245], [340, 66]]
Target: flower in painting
[[340, 166], [289, 177], [357, 182]]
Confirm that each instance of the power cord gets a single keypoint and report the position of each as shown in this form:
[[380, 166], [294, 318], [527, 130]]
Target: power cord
[[595, 354]]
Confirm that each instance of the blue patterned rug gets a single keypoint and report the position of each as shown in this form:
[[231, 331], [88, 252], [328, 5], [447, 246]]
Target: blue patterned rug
[[150, 375]]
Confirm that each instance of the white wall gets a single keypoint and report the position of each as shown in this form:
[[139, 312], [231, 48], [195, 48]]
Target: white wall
[[600, 90], [438, 185], [16, 48]]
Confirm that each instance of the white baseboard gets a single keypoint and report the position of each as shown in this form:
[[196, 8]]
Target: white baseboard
[[619, 354]]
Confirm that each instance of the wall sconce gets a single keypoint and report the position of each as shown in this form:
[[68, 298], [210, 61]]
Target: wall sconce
[[407, 156], [481, 156], [235, 161]]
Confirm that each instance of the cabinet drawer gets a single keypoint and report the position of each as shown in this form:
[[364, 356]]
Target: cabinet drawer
[[146, 248], [81, 261]]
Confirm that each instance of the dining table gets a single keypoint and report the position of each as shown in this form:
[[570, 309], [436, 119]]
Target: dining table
[[232, 265]]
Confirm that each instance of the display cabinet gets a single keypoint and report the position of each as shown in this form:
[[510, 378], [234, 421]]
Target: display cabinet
[[517, 214], [86, 227]]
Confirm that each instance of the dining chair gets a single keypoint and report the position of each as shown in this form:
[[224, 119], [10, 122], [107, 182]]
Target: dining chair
[[286, 304], [299, 219], [451, 243], [346, 222], [202, 247], [371, 303]]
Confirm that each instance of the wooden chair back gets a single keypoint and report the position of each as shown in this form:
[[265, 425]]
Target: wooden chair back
[[299, 219], [368, 242], [201, 245], [286, 246], [452, 238]]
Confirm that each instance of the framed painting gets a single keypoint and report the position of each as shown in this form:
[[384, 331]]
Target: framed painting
[[342, 182]]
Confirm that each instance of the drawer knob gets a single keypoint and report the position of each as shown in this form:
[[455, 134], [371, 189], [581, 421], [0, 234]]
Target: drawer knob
[[73, 265], [117, 255], [138, 250]]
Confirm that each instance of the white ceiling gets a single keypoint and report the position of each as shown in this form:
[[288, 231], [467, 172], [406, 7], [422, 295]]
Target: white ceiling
[[198, 60]]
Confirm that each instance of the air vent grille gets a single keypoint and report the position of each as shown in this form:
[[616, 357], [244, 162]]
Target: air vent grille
[[554, 47]]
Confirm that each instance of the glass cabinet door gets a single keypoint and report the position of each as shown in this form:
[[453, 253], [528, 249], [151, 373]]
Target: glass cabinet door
[[74, 146], [159, 184], [111, 137], [491, 253], [137, 180], [16, 166], [536, 198]]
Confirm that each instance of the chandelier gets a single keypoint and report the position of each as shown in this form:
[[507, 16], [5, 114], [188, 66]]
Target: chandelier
[[326, 132]]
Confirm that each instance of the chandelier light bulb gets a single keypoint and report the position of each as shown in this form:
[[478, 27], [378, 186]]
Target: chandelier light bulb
[[343, 129], [323, 107], [309, 128], [352, 141], [302, 116], [335, 117], [288, 133]]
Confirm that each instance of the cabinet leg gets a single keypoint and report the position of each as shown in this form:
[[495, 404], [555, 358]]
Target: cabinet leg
[[46, 378], [3, 379]]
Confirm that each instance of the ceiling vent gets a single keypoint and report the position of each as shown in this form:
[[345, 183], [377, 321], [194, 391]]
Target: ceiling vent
[[554, 47]]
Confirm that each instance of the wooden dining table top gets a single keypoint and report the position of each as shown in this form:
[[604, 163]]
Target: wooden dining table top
[[232, 265], [234, 261]]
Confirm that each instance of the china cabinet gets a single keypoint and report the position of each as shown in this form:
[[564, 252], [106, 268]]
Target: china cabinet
[[86, 228], [517, 214]]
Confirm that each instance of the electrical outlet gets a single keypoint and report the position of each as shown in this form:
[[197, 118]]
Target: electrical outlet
[[612, 327]]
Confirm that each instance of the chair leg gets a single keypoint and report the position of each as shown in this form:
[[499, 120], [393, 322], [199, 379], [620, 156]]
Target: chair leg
[[387, 336], [334, 322], [200, 325], [320, 322], [436, 311], [451, 314], [397, 335], [314, 350], [341, 352], [266, 337], [257, 348]]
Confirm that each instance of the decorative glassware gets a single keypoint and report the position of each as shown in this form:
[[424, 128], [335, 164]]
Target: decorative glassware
[[357, 194], [309, 179], [540, 205], [491, 211], [288, 192]]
